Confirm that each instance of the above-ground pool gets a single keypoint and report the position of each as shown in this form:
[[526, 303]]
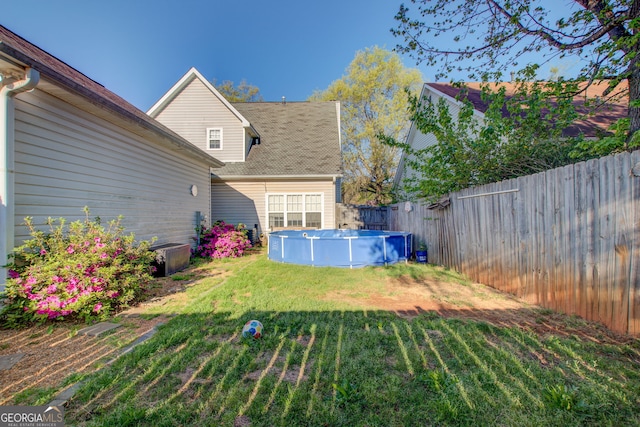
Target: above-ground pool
[[339, 248]]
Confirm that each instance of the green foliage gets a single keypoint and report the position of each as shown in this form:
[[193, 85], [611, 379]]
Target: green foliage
[[520, 134], [81, 271], [436, 380], [373, 102], [243, 92], [617, 142], [345, 392], [488, 39], [561, 396]]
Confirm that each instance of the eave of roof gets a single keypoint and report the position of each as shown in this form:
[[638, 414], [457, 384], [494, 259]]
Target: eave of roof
[[85, 93]]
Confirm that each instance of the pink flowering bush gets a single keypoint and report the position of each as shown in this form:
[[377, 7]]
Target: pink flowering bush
[[223, 240], [84, 272]]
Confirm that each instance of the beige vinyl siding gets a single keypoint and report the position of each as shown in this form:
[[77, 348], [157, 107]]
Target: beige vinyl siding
[[419, 141], [66, 158], [244, 201], [194, 110]]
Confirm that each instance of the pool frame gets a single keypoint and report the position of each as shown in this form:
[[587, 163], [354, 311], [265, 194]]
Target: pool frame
[[340, 247]]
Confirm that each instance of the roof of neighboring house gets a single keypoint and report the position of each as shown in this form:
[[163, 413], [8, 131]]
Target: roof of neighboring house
[[299, 139], [94, 96], [596, 123]]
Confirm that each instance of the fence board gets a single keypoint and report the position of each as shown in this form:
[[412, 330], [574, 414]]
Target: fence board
[[361, 217], [581, 242], [634, 296], [567, 239]]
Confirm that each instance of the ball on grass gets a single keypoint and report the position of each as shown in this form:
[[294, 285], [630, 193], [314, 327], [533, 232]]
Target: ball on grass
[[252, 329]]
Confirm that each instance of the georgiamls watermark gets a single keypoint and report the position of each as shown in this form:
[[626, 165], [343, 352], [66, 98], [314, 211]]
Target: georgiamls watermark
[[31, 416]]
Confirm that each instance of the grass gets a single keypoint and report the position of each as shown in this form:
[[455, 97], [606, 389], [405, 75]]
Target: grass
[[338, 363]]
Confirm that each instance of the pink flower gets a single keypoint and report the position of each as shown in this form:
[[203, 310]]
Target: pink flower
[[97, 307], [104, 255], [52, 289], [43, 252], [13, 274], [70, 249]]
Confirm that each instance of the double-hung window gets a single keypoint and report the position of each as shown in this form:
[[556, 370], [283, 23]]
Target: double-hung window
[[294, 210], [214, 139]]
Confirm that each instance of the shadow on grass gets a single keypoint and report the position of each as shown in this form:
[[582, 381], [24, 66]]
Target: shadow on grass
[[360, 368]]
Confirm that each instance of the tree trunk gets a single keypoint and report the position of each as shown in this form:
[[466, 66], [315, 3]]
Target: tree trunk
[[634, 97], [634, 80]]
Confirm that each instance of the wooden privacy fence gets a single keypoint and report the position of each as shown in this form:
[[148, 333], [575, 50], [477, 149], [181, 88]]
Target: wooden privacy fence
[[362, 217], [566, 239]]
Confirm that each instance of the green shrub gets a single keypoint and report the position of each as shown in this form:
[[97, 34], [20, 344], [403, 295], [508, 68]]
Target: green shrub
[[84, 272]]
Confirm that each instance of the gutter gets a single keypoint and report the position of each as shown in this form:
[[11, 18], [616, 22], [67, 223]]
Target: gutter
[[7, 164], [287, 177]]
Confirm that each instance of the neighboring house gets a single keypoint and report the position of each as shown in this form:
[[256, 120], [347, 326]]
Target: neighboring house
[[67, 142], [282, 159], [591, 127]]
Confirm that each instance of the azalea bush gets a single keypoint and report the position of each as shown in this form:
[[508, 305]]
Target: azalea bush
[[81, 271], [223, 240]]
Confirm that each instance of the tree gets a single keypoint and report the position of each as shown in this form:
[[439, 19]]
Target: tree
[[244, 92], [499, 33], [373, 102], [509, 141]]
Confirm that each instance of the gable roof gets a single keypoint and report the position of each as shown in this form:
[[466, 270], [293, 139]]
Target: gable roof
[[593, 125], [87, 94], [299, 139], [192, 74]]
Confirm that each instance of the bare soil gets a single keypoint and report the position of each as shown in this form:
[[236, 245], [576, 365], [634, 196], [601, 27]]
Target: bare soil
[[52, 353], [409, 297]]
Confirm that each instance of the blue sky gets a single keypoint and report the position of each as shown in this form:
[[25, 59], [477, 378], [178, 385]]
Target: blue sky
[[139, 49]]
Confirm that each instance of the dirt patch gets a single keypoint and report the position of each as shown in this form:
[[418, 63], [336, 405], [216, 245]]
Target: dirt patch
[[411, 297]]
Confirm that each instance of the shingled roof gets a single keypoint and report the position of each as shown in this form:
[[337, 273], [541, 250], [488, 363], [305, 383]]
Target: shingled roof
[[591, 126], [60, 74], [297, 139]]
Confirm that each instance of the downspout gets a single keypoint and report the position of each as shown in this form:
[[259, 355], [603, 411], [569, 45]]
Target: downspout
[[7, 166]]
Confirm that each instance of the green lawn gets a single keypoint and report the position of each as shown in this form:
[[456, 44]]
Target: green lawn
[[328, 363]]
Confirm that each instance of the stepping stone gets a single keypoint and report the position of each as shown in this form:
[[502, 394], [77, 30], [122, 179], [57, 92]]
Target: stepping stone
[[99, 328], [7, 361]]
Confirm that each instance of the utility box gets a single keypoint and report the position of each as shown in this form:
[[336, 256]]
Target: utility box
[[171, 258]]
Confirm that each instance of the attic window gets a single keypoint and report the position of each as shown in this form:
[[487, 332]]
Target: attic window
[[214, 139]]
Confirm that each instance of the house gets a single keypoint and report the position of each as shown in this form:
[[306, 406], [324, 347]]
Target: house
[[589, 127], [282, 159], [67, 142]]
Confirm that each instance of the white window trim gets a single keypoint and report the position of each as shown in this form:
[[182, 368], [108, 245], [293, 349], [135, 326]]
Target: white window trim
[[208, 141], [304, 205]]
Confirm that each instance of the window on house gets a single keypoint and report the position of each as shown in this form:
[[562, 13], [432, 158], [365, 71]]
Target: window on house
[[276, 211], [294, 210], [313, 210], [214, 138]]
